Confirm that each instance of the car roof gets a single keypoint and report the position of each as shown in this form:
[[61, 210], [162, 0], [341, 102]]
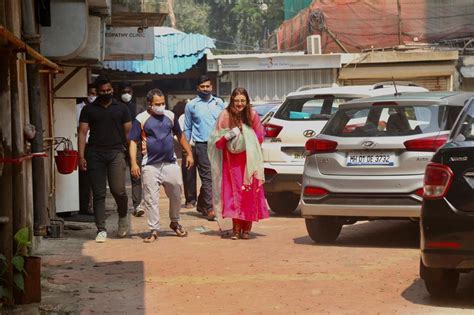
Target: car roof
[[356, 90], [456, 98]]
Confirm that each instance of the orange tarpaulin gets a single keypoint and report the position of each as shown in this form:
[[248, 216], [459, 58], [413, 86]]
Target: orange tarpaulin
[[366, 24]]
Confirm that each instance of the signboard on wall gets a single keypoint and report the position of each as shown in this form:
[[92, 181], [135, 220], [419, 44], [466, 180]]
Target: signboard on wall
[[271, 62], [129, 43]]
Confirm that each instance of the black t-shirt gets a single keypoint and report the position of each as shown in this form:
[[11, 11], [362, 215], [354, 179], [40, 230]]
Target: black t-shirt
[[106, 125]]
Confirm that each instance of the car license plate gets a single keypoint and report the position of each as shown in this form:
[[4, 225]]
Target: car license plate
[[371, 159], [298, 155]]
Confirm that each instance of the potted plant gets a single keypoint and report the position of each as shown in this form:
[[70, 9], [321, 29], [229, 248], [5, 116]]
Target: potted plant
[[26, 273]]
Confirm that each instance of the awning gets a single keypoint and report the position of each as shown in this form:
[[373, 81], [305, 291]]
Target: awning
[[174, 53], [404, 71]]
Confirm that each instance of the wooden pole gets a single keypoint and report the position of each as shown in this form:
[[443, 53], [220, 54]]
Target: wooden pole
[[19, 174], [6, 206], [171, 14]]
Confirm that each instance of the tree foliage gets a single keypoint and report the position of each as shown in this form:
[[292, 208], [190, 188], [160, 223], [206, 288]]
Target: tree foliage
[[192, 16], [235, 24]]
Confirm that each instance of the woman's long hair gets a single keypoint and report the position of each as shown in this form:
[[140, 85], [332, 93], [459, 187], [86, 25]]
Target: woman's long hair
[[239, 117]]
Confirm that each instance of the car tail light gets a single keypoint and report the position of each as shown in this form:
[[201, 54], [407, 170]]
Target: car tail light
[[314, 146], [446, 245], [315, 191], [429, 144], [272, 131], [269, 173], [437, 180], [419, 192]]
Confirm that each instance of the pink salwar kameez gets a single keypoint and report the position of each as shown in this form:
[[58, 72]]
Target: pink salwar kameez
[[240, 200]]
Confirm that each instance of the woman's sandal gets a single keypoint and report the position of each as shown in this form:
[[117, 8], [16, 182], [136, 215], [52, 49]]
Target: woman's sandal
[[245, 235], [153, 236], [235, 236]]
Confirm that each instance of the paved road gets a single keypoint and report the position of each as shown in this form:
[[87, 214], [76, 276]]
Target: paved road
[[372, 268]]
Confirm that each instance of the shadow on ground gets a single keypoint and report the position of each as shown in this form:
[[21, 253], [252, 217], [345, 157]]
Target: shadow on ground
[[464, 298], [383, 234], [74, 283]]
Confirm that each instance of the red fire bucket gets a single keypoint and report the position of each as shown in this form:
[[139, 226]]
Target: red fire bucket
[[66, 161]]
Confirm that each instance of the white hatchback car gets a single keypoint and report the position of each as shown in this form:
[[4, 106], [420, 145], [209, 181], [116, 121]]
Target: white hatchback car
[[303, 115]]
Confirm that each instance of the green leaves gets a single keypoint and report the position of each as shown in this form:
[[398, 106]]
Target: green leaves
[[19, 281], [235, 24], [5, 294], [19, 263], [22, 239]]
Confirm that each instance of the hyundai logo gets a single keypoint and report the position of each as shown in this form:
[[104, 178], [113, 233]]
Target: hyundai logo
[[368, 144], [309, 133]]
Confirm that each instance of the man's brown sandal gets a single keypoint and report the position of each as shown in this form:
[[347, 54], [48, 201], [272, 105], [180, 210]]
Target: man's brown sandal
[[178, 229], [153, 236]]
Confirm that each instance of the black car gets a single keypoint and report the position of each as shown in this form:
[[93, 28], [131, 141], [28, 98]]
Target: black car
[[447, 215]]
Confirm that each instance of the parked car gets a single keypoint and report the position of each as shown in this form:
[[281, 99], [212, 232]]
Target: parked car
[[369, 160], [447, 214], [302, 115], [266, 118], [263, 109]]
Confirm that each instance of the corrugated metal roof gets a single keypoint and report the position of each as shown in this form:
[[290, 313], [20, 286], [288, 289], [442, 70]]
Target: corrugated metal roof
[[174, 53]]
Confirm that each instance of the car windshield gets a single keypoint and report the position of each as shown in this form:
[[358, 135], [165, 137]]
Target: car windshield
[[262, 109], [465, 129], [390, 120], [314, 108]]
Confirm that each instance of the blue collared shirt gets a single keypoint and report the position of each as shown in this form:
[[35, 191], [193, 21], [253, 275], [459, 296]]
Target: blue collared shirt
[[200, 117]]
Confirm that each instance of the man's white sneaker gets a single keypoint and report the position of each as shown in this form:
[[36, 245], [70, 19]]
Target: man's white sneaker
[[101, 237], [123, 226]]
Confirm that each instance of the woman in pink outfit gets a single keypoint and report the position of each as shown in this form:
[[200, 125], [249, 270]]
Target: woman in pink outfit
[[237, 166]]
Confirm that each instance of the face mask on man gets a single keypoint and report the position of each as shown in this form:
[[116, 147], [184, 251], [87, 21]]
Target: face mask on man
[[105, 98], [126, 97], [158, 110], [91, 98], [204, 94]]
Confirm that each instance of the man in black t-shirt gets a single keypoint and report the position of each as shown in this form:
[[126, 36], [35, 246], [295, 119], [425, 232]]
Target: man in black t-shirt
[[109, 124]]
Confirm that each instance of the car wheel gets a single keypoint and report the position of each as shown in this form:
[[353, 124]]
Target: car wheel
[[324, 229], [283, 203], [439, 282]]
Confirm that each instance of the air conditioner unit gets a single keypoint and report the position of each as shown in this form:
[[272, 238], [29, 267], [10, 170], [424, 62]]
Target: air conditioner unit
[[313, 45]]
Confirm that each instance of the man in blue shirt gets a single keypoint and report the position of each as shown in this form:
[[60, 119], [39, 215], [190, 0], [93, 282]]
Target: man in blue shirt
[[200, 117], [155, 128]]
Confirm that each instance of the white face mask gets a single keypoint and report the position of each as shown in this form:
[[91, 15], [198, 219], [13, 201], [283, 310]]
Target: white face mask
[[91, 98], [127, 97], [159, 110]]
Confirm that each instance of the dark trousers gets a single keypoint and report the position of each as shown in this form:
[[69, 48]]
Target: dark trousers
[[85, 193], [136, 182], [204, 168], [103, 166], [189, 180]]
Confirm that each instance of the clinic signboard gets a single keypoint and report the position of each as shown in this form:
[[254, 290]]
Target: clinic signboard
[[129, 43]]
